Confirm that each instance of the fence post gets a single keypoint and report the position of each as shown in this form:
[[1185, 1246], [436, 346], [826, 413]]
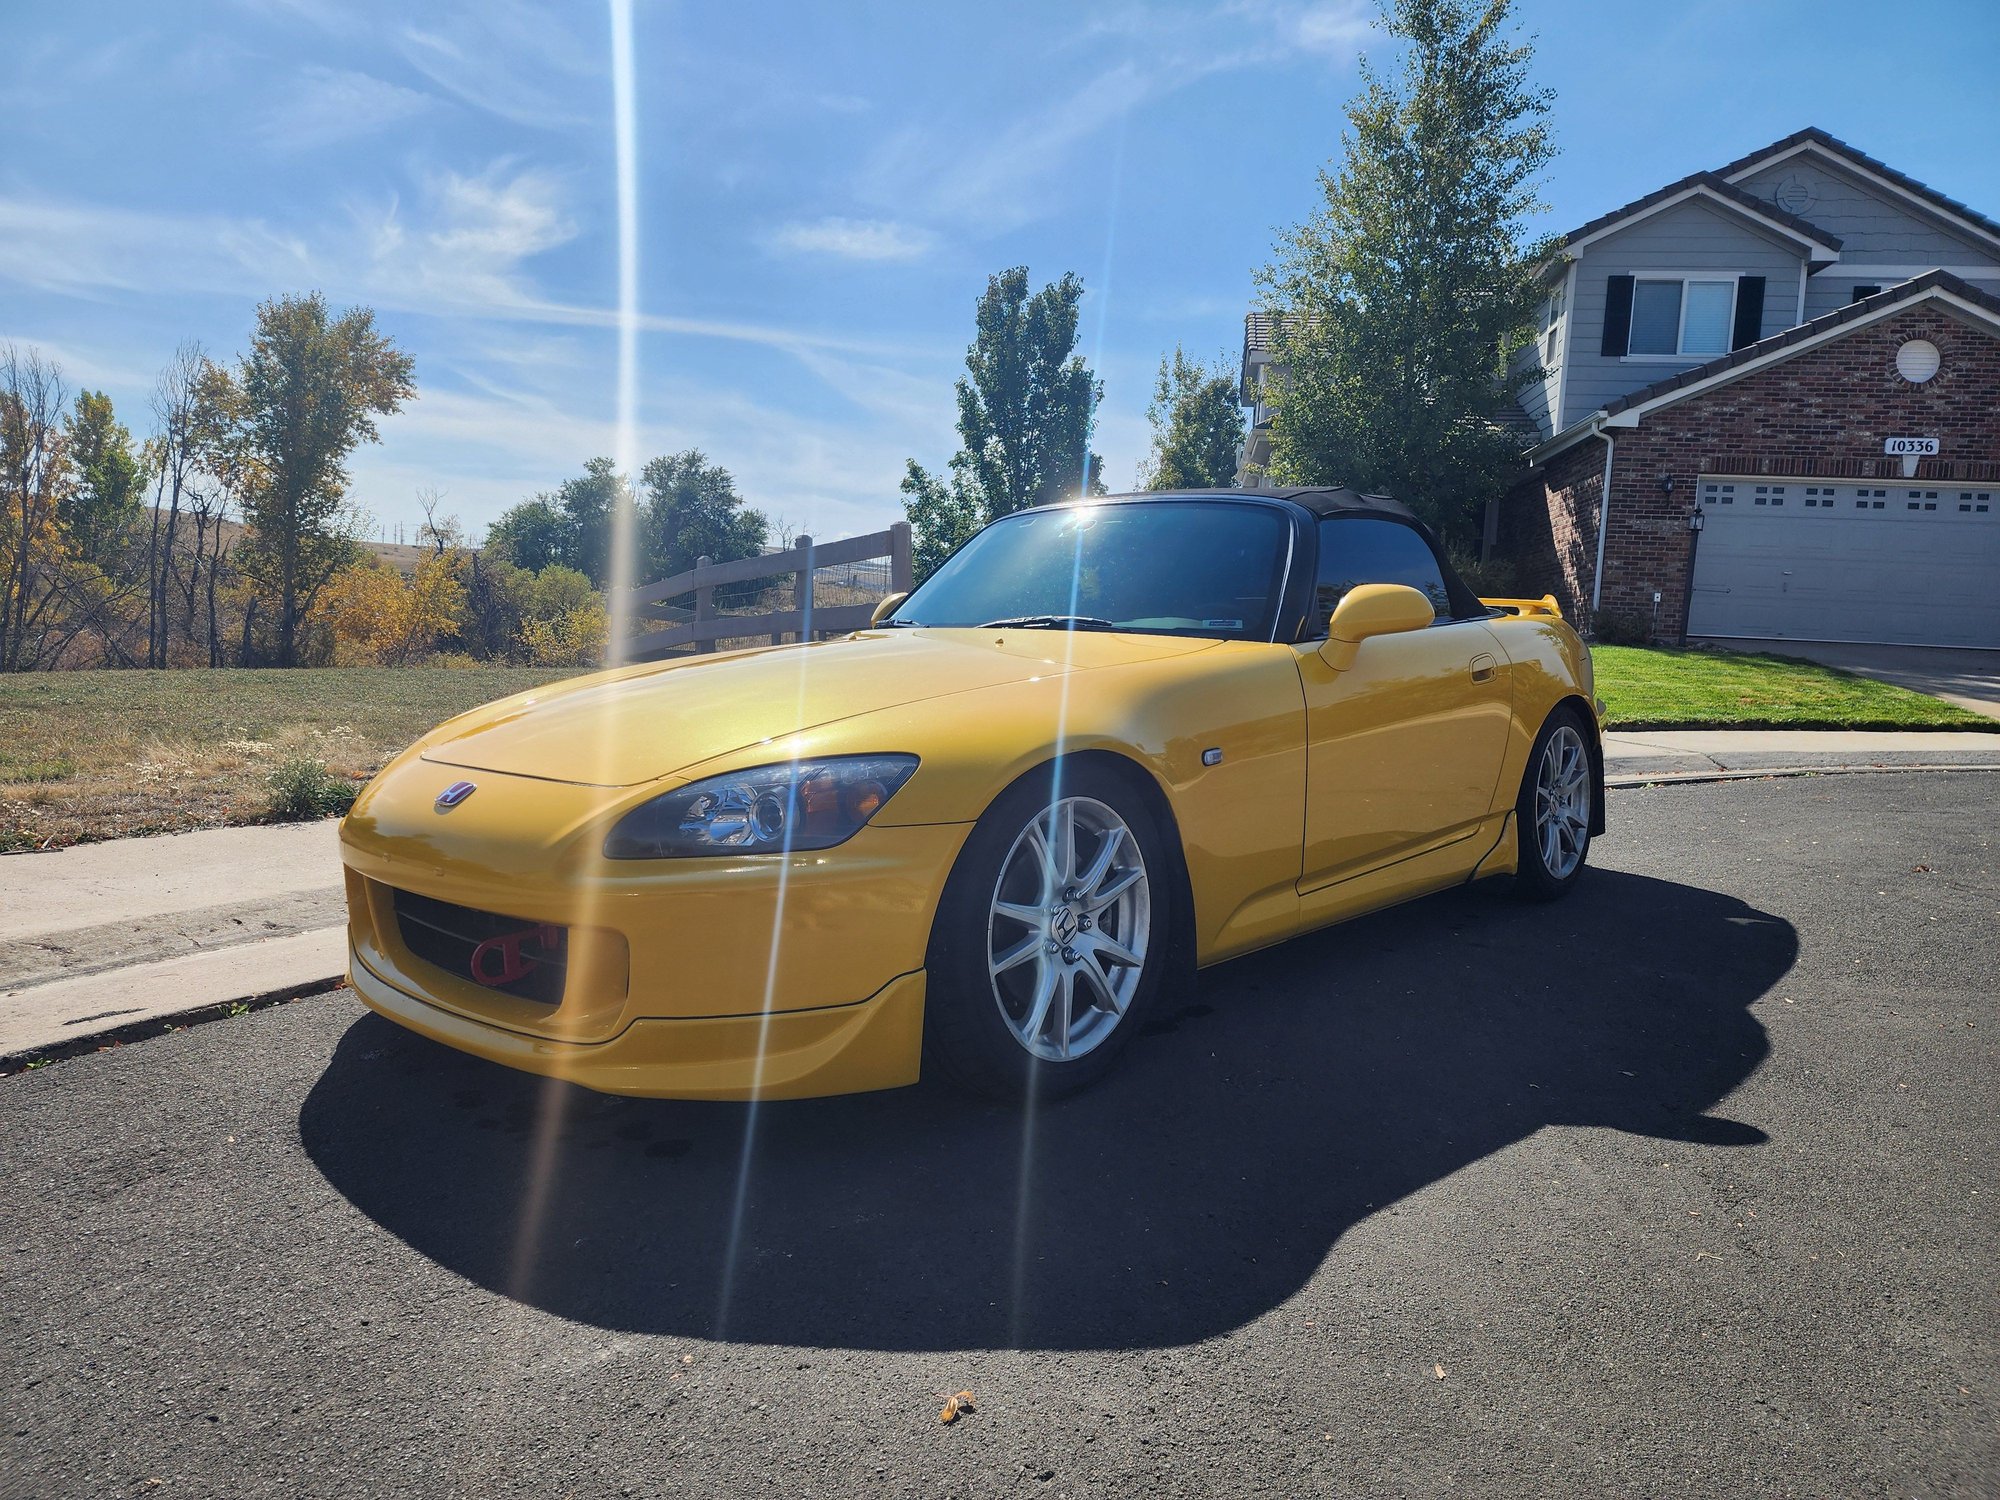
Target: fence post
[[802, 587], [704, 601], [902, 571]]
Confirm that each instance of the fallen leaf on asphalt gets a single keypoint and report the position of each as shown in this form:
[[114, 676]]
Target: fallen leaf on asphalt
[[1440, 1371], [956, 1407]]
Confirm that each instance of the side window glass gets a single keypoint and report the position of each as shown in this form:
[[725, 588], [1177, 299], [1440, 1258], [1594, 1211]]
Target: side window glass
[[1361, 549]]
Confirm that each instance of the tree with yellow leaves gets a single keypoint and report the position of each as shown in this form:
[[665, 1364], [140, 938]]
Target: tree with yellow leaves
[[380, 618]]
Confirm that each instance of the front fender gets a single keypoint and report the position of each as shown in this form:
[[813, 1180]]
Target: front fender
[[1240, 819]]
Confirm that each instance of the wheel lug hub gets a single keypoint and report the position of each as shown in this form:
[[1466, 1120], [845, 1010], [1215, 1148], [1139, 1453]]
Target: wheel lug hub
[[1069, 955]]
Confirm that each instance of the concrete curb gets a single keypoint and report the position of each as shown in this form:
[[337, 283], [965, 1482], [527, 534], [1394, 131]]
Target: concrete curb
[[29, 1058], [1619, 781]]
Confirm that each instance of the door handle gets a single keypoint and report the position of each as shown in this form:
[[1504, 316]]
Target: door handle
[[1482, 668]]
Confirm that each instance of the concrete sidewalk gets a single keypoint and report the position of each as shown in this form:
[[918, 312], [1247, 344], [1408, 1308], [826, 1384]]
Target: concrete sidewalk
[[106, 935], [99, 937], [1635, 757]]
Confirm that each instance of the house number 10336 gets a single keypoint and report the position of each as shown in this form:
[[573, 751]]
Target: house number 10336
[[1910, 447]]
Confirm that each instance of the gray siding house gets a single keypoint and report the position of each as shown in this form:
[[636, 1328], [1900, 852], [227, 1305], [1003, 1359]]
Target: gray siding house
[[1767, 407], [1723, 259]]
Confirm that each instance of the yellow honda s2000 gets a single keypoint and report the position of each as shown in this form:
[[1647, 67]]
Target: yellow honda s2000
[[1106, 742]]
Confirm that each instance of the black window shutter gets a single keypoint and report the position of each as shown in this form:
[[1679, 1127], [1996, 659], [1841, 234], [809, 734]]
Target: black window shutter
[[1749, 311], [1617, 314]]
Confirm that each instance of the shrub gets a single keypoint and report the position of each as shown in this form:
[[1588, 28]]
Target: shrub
[[1621, 627], [303, 788], [1494, 578]]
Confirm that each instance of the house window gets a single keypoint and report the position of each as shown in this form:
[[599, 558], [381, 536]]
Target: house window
[[1863, 291], [1682, 317], [1552, 327]]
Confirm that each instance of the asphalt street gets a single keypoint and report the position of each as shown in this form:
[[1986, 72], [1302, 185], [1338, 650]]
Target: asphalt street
[[1683, 1186]]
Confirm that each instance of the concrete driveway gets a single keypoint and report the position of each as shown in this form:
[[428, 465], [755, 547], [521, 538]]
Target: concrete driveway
[[1683, 1186], [1971, 679]]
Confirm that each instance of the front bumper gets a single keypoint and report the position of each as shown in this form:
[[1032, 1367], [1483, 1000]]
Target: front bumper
[[801, 1054], [732, 977]]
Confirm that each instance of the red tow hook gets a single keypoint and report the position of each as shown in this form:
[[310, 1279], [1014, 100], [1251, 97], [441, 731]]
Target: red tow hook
[[508, 951]]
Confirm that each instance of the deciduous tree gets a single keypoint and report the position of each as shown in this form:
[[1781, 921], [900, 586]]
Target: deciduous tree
[[313, 385], [1405, 295], [1197, 426], [104, 503], [691, 510], [1026, 405], [35, 482], [531, 535], [573, 526]]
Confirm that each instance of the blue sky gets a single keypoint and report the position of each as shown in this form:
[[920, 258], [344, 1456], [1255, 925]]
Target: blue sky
[[824, 189]]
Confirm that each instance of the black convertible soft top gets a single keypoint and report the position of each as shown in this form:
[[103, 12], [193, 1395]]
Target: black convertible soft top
[[1321, 500]]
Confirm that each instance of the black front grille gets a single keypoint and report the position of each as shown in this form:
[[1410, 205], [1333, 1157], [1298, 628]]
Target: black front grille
[[517, 957]]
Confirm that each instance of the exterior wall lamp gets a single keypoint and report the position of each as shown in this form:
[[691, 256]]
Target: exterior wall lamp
[[1697, 519]]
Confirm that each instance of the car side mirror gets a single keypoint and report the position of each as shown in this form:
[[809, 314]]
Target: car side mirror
[[1369, 610], [887, 607]]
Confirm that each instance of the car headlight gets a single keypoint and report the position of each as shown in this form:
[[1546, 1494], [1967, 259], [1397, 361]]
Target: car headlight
[[807, 804]]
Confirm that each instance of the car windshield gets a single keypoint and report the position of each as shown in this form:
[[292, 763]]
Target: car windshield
[[1169, 567]]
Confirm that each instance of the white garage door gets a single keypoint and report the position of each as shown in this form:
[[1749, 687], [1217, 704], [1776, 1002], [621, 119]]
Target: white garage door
[[1804, 560]]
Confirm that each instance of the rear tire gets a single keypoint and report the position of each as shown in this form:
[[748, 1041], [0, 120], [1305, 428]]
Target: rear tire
[[1052, 937], [1553, 813]]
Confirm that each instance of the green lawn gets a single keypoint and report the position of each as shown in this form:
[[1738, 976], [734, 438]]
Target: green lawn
[[1644, 688], [90, 755]]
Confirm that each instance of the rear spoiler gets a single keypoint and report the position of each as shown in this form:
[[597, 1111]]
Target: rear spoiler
[[1545, 606]]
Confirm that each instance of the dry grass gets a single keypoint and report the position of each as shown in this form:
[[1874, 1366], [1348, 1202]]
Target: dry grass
[[93, 755]]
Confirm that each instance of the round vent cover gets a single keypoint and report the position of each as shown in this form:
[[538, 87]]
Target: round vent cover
[[1917, 361]]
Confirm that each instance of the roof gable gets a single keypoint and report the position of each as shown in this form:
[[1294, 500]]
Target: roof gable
[[1813, 142], [1713, 189]]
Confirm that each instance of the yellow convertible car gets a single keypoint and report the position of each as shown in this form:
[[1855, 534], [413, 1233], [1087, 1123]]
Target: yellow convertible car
[[1104, 744]]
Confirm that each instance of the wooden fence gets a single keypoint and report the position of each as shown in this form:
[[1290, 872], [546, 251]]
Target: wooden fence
[[701, 627]]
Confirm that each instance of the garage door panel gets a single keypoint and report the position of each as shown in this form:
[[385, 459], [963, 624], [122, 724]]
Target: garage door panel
[[1804, 560]]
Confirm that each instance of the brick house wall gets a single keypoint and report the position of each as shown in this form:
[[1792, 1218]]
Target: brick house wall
[[1548, 527], [1822, 413]]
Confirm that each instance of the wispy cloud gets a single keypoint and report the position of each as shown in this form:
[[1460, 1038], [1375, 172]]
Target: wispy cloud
[[1003, 182], [855, 239], [323, 106], [999, 180], [508, 59], [463, 249], [1333, 29]]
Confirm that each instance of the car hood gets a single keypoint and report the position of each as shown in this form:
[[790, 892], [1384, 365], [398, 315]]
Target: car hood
[[638, 724]]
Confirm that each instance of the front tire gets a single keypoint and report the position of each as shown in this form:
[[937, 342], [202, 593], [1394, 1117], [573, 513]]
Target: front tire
[[1052, 936], [1553, 813]]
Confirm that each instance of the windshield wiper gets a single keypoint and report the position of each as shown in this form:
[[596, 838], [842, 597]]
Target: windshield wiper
[[901, 625], [1049, 622]]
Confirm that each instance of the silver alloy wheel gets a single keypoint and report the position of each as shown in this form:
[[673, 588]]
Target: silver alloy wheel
[[1066, 935], [1562, 802]]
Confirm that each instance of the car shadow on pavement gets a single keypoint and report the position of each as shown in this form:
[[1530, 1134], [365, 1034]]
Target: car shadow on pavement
[[1291, 1095]]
